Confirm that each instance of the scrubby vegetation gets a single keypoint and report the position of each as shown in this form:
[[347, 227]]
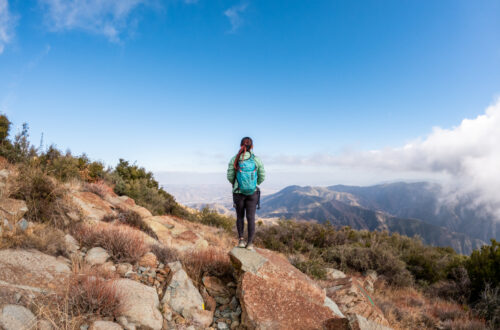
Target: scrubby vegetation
[[41, 237], [132, 219], [124, 243]]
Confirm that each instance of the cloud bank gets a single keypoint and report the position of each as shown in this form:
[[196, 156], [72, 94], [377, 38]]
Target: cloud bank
[[105, 17], [7, 23], [467, 155]]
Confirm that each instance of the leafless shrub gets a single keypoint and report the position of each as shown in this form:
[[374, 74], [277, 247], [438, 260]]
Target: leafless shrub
[[206, 262], [124, 243]]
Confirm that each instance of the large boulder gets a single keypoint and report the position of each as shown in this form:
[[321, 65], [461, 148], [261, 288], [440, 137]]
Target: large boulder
[[92, 206], [15, 317], [31, 272], [12, 209], [140, 304], [174, 234], [355, 301], [275, 295], [182, 297]]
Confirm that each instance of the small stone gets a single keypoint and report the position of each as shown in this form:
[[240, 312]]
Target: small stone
[[234, 325], [105, 325], [44, 325], [23, 224], [96, 256], [142, 269], [17, 297], [84, 327], [234, 303], [71, 243], [124, 268], [235, 316], [148, 260], [222, 325]]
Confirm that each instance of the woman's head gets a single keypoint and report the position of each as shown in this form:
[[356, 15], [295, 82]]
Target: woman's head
[[245, 145]]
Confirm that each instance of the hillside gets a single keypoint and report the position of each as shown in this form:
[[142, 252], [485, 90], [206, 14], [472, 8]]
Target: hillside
[[84, 247], [407, 209]]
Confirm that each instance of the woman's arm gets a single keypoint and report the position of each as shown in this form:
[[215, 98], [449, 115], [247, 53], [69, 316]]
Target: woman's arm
[[261, 173], [230, 171]]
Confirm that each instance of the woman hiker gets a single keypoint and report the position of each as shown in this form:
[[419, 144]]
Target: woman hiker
[[245, 172]]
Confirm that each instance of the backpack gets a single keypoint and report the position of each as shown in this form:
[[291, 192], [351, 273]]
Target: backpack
[[247, 176]]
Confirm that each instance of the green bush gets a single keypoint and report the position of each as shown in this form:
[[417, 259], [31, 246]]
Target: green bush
[[140, 185], [400, 259], [213, 218], [483, 267]]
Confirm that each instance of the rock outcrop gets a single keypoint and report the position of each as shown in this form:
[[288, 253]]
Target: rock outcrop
[[92, 207], [14, 317], [31, 272], [275, 295], [174, 234], [140, 304], [355, 301], [182, 297]]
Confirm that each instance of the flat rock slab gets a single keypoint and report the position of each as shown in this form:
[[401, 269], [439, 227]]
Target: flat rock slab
[[31, 268], [140, 304], [92, 206], [275, 295], [15, 317], [174, 234], [105, 325], [353, 299]]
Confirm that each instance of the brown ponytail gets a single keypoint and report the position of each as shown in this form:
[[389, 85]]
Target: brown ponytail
[[246, 145]]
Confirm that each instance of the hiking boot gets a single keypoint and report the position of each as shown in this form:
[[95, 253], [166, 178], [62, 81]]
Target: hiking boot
[[241, 243], [250, 247]]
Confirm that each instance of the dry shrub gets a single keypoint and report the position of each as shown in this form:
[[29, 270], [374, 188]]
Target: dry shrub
[[85, 296], [164, 253], [124, 243], [407, 308], [464, 325], [44, 197], [99, 188], [89, 293], [41, 237], [211, 261], [133, 219]]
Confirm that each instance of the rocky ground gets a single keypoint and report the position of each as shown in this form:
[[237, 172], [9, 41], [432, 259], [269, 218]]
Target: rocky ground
[[261, 290]]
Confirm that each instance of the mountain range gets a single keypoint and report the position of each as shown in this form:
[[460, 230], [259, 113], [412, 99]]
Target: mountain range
[[406, 208]]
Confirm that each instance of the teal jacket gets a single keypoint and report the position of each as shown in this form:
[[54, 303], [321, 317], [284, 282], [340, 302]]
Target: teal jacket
[[231, 173]]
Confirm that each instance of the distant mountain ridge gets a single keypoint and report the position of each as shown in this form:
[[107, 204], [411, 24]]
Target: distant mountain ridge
[[407, 208]]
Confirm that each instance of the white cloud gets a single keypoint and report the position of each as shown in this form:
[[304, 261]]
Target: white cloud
[[468, 156], [106, 17], [234, 16], [7, 23]]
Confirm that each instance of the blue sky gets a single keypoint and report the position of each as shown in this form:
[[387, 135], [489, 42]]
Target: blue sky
[[174, 85]]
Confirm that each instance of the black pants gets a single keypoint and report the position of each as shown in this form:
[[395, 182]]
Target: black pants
[[245, 204]]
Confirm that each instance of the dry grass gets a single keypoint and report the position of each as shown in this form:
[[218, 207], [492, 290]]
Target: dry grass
[[407, 308], [164, 253], [41, 237], [132, 219], [86, 295], [45, 197], [124, 243], [211, 261], [99, 188]]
